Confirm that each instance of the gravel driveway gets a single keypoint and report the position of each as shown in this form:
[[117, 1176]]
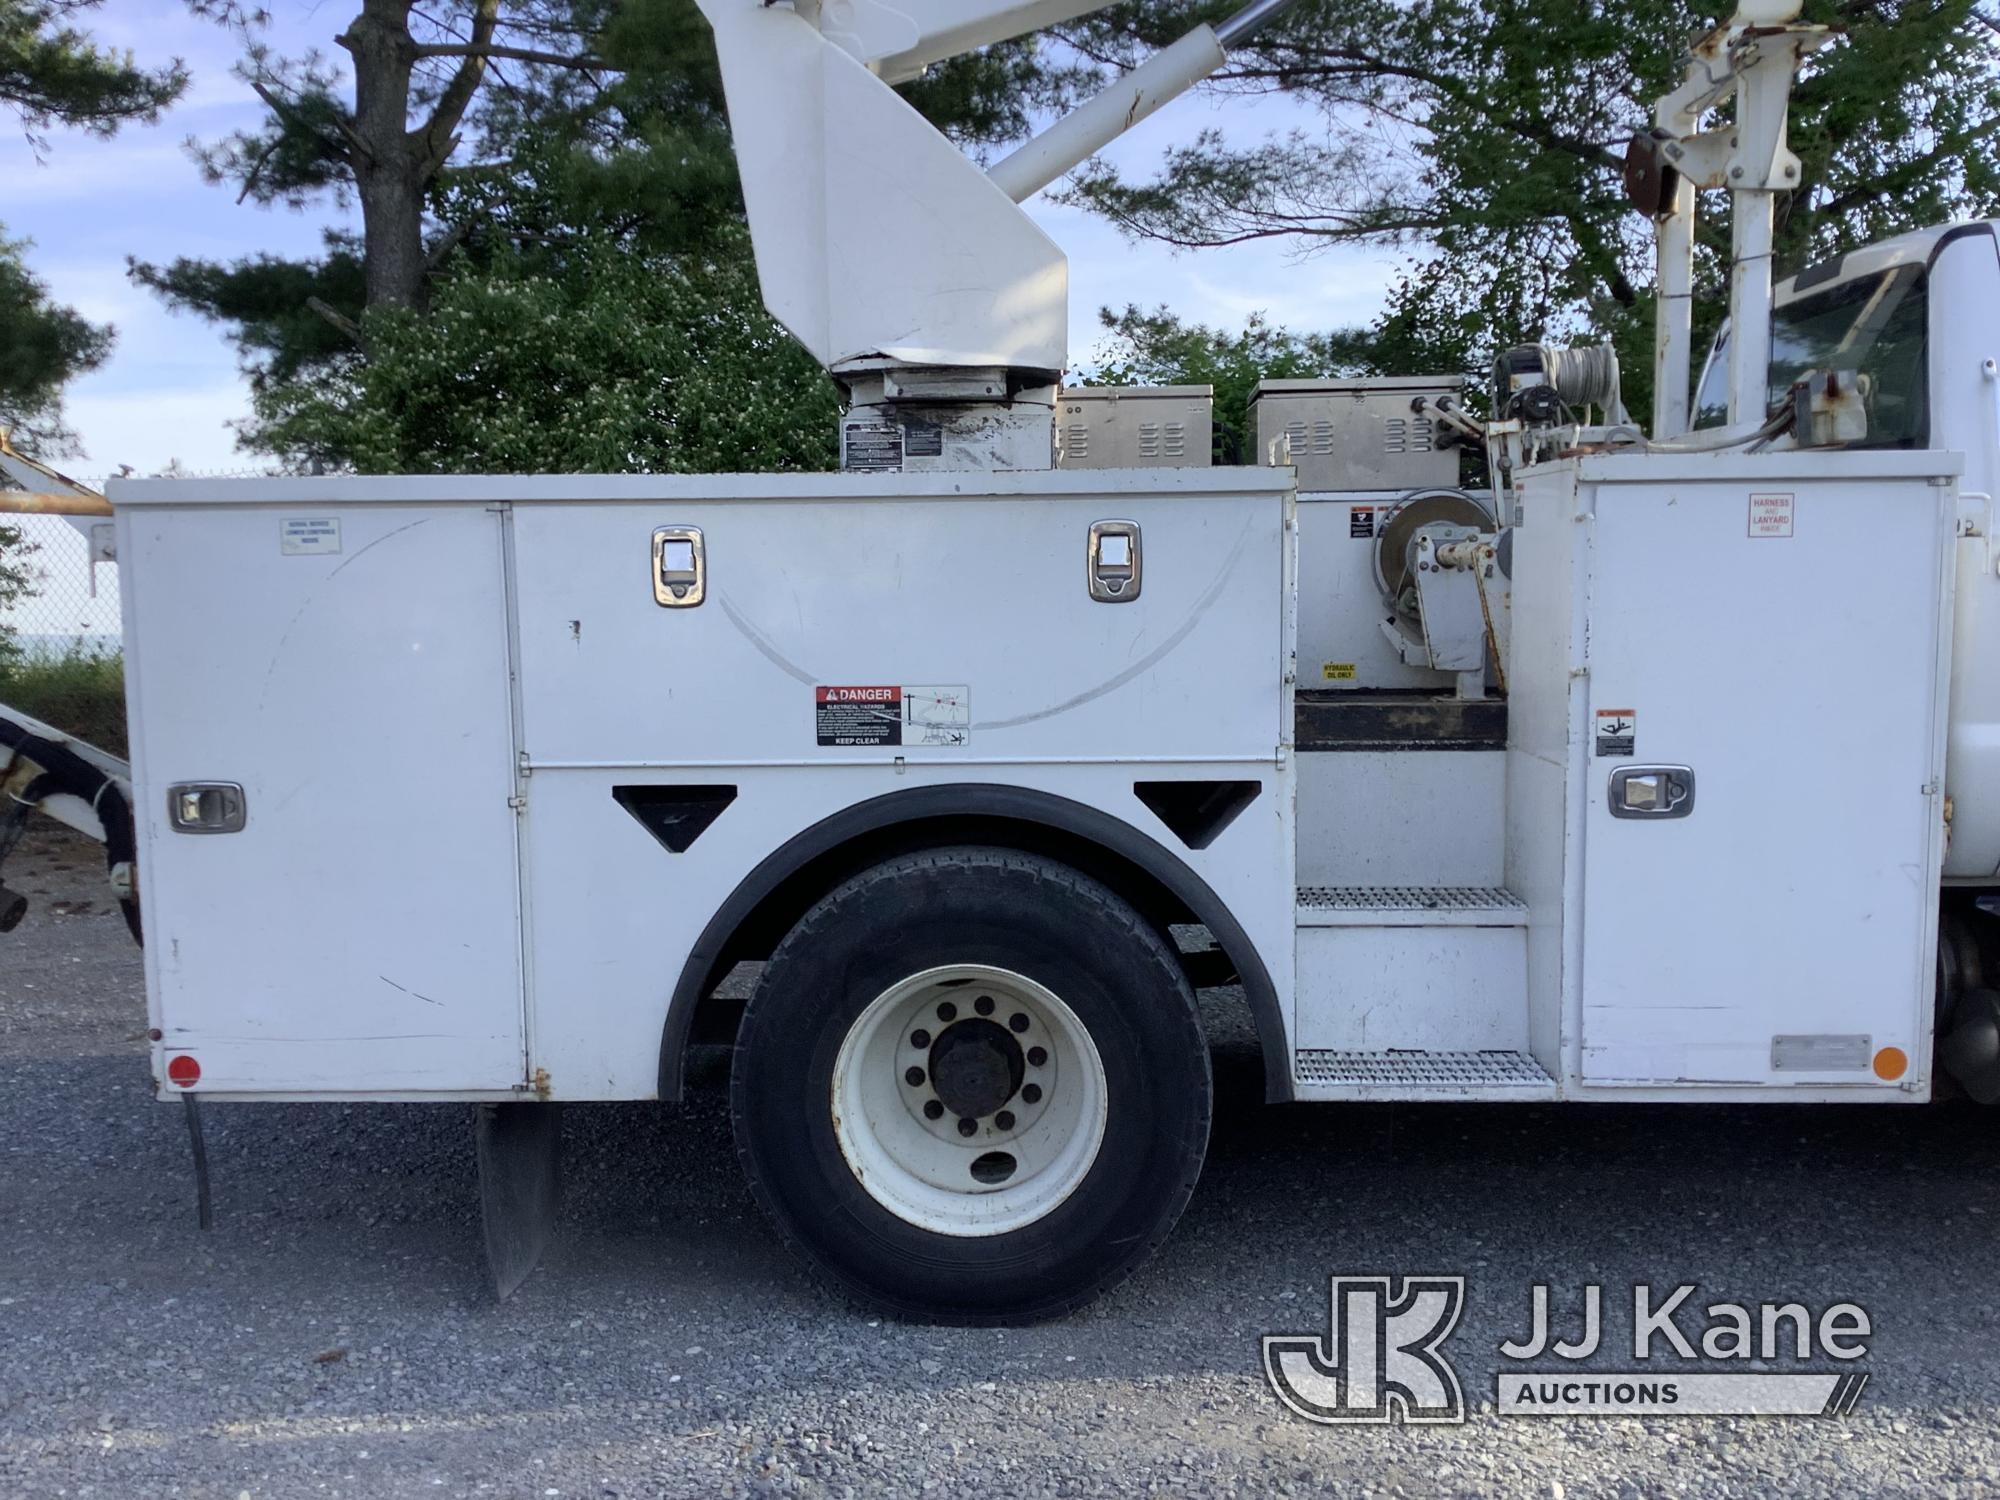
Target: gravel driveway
[[331, 1336]]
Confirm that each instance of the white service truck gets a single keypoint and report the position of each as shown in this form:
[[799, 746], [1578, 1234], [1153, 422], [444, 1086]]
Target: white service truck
[[1665, 769]]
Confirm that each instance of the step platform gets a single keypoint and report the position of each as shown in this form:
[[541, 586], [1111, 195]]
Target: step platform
[[1413, 992]]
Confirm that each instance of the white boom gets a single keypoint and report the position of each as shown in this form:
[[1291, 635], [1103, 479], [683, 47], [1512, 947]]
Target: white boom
[[879, 244], [1753, 58]]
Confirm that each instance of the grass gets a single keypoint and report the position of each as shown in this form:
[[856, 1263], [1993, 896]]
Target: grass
[[80, 690]]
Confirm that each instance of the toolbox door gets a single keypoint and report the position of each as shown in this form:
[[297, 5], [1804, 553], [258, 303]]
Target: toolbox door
[[346, 667], [1761, 764]]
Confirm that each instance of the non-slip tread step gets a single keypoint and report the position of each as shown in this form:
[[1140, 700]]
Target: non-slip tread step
[[1325, 1068], [1409, 906]]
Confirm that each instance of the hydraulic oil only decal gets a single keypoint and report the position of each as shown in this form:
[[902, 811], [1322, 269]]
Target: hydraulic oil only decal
[[1617, 730], [865, 717], [1337, 671]]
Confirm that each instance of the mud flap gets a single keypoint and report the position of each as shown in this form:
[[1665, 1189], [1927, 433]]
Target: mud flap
[[519, 1184]]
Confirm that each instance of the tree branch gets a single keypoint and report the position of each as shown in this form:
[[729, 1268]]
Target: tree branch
[[439, 134], [447, 242], [257, 168], [282, 108], [338, 319], [487, 50]]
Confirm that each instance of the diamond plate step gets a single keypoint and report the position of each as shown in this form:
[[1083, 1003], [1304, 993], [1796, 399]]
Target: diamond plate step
[[1407, 1072], [1409, 906]]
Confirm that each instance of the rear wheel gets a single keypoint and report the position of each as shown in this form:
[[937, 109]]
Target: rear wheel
[[972, 1086]]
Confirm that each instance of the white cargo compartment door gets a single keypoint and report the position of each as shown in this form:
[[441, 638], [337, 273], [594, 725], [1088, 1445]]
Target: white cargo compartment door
[[347, 666], [1785, 650]]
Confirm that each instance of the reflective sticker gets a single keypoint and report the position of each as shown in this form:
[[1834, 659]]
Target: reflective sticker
[[1820, 1052]]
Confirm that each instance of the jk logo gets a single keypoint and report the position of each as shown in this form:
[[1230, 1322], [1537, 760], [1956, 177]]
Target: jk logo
[[1379, 1360]]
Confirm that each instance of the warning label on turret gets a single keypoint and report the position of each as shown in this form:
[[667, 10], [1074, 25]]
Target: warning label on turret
[[865, 717]]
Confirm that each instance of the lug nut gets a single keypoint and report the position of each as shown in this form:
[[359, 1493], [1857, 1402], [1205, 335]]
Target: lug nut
[[933, 1110], [914, 1078], [1005, 1119], [1037, 1056], [1017, 1022], [968, 1127], [1031, 1093], [984, 1005], [920, 1039]]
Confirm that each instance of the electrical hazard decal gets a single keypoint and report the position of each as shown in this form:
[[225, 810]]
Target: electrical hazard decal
[[1361, 521], [1617, 731], [868, 717]]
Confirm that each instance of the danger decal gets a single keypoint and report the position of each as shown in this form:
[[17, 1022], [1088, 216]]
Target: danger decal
[[865, 717]]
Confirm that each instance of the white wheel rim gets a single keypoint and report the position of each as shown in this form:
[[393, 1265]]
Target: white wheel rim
[[904, 1141]]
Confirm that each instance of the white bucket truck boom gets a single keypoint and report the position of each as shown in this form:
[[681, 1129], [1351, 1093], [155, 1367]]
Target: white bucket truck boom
[[1558, 791], [940, 308]]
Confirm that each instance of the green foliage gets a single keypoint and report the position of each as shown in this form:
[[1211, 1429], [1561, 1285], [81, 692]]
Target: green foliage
[[45, 345], [52, 73], [596, 361], [1156, 348], [571, 187], [1487, 136], [79, 690], [269, 304]]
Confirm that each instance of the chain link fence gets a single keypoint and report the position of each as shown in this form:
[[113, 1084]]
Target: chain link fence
[[60, 649]]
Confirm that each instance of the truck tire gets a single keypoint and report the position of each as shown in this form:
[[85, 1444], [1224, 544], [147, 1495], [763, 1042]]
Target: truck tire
[[972, 1087]]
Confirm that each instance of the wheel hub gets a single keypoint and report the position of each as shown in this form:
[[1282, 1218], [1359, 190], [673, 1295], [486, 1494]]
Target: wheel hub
[[969, 1099], [976, 1067]]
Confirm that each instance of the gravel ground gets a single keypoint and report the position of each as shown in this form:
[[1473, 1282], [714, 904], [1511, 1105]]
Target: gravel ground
[[331, 1335]]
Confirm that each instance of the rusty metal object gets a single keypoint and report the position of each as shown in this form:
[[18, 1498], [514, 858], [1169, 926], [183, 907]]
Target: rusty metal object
[[32, 488], [50, 503]]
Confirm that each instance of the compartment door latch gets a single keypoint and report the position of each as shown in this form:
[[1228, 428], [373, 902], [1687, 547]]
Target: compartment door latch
[[1652, 792], [680, 567], [206, 807], [1115, 563]]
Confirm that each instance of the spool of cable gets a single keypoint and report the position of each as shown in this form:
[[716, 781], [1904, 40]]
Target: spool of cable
[[1536, 382], [1584, 375]]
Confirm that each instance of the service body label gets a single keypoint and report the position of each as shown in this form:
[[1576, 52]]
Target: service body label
[[308, 536], [865, 717]]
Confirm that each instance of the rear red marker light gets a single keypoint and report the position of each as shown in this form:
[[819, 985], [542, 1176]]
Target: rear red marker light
[[183, 1070]]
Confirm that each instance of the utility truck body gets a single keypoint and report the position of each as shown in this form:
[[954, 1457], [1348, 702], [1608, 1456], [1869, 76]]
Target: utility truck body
[[1657, 768]]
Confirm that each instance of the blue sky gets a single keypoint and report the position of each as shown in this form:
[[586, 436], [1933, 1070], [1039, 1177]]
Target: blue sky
[[171, 388]]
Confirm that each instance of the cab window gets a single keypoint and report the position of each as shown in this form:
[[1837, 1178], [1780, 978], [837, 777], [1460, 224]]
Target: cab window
[[1877, 325]]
